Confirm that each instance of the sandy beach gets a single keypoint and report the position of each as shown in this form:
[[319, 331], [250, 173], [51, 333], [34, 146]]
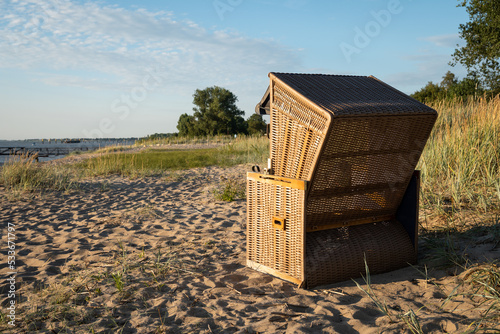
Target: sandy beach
[[161, 255]]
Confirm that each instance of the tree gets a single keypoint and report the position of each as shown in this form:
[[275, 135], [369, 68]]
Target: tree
[[429, 93], [256, 125], [187, 126], [449, 80], [481, 54], [450, 88], [216, 112], [469, 86]]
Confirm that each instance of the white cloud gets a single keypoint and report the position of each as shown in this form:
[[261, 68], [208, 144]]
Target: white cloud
[[66, 35], [446, 41]]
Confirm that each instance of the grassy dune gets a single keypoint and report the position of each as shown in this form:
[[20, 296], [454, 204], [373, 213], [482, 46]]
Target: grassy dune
[[156, 160], [190, 140], [460, 164], [24, 173]]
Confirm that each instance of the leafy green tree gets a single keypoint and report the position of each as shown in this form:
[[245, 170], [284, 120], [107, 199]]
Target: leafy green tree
[[450, 87], [449, 80], [429, 93], [481, 54], [241, 125], [187, 126], [256, 125], [469, 86], [216, 112]]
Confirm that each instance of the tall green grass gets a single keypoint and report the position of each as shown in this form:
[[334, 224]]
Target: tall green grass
[[154, 161], [461, 161]]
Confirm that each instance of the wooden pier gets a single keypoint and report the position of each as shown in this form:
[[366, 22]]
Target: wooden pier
[[42, 151]]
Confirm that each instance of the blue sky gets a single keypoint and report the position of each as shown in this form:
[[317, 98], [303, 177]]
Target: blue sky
[[110, 68]]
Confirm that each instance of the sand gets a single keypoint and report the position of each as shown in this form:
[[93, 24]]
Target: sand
[[161, 255]]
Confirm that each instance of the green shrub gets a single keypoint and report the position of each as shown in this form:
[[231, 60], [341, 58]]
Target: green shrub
[[230, 190]]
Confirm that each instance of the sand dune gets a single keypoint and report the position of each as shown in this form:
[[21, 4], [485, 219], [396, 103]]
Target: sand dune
[[180, 256]]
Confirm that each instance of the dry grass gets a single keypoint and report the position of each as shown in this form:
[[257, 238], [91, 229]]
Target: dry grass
[[24, 173], [481, 284], [461, 196], [63, 305], [461, 162], [207, 140]]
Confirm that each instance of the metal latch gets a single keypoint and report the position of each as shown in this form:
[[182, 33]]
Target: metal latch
[[279, 223]]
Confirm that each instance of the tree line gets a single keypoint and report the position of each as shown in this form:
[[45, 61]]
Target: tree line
[[450, 87]]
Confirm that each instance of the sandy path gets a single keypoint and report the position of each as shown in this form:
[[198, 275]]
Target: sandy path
[[181, 256]]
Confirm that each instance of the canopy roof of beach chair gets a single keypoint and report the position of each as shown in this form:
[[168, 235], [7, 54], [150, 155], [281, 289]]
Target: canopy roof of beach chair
[[344, 95]]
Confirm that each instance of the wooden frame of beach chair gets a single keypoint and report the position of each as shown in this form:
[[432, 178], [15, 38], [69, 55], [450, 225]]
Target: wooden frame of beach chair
[[342, 188]]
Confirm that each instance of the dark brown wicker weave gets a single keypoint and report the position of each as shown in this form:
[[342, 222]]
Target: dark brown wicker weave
[[343, 152]]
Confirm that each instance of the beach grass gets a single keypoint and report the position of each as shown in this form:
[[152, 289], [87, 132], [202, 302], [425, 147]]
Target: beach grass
[[481, 284], [62, 304], [460, 195], [379, 303], [230, 189], [145, 163], [156, 161], [461, 161], [203, 140], [24, 173]]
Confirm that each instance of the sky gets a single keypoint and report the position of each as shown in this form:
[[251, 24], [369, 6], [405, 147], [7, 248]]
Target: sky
[[111, 68]]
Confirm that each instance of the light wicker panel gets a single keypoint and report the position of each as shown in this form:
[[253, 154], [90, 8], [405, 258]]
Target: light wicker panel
[[297, 133], [279, 250], [337, 255]]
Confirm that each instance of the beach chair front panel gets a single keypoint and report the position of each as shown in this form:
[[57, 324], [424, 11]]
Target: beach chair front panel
[[275, 226]]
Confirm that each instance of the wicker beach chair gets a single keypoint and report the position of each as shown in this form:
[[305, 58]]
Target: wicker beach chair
[[341, 186]]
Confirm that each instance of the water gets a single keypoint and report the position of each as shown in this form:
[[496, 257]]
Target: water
[[81, 146]]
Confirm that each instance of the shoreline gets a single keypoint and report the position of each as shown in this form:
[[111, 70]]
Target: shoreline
[[127, 149]]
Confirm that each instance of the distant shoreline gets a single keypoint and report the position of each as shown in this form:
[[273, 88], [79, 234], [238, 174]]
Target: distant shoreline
[[67, 145]]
